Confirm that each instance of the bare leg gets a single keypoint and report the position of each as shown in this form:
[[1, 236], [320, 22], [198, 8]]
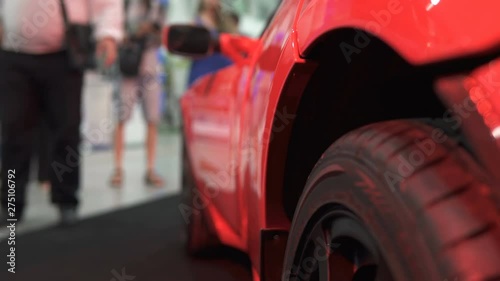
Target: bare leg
[[117, 177], [119, 135], [151, 101], [152, 138]]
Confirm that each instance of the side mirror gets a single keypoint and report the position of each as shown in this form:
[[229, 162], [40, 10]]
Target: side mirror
[[197, 42], [188, 40]]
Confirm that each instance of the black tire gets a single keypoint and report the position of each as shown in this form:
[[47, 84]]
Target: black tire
[[438, 222], [199, 237]]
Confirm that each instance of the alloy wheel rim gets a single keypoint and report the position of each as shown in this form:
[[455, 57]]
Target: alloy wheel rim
[[338, 247]]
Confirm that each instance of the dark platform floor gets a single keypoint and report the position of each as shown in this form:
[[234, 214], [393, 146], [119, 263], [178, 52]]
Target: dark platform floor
[[144, 242]]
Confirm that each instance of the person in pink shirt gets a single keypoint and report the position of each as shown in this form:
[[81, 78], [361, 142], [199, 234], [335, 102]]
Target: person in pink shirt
[[38, 82]]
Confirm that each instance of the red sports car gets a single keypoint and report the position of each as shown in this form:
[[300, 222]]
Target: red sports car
[[354, 140]]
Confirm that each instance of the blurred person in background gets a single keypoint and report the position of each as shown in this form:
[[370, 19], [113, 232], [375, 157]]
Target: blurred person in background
[[37, 83], [211, 16], [144, 20], [233, 23]]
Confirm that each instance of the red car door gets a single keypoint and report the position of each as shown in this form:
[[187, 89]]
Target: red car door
[[224, 119], [212, 110]]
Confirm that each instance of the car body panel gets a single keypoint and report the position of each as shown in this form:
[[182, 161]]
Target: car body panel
[[474, 105], [210, 107], [421, 31]]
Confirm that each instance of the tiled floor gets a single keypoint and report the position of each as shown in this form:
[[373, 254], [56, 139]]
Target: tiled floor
[[98, 197]]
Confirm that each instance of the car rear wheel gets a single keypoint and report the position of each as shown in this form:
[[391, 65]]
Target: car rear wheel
[[396, 200]]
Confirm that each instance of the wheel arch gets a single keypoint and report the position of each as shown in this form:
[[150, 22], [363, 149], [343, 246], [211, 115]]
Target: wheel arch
[[333, 102]]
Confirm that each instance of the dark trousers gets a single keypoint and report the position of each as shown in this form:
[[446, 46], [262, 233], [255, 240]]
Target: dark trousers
[[33, 89], [43, 147]]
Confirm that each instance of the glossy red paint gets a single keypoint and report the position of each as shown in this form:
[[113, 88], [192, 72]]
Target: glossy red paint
[[237, 47], [474, 101], [238, 120], [421, 31], [483, 87]]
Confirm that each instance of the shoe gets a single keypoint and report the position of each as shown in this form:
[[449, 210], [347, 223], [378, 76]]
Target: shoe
[[45, 185], [68, 215], [153, 179], [117, 178]]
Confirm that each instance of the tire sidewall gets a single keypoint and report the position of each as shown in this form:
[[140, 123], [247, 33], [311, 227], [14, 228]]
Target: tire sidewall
[[353, 185]]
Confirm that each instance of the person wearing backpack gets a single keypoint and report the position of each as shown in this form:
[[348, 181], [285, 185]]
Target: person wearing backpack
[[140, 80]]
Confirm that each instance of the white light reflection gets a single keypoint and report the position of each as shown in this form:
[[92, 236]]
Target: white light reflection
[[432, 4], [496, 132]]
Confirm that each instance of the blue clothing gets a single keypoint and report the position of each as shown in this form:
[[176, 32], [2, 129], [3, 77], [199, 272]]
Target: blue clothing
[[207, 65]]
